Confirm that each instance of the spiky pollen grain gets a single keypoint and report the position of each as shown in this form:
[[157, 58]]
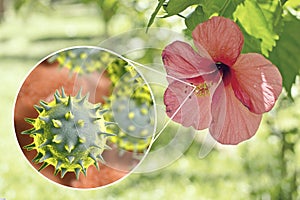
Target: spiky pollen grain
[[66, 135]]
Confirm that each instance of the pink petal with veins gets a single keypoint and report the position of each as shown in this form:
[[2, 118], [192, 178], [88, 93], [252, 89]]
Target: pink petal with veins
[[181, 61], [256, 82], [219, 38], [232, 122]]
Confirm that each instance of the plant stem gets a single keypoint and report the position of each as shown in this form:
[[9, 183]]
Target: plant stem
[[224, 8]]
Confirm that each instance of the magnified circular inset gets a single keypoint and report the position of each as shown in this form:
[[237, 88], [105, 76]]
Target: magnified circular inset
[[84, 117]]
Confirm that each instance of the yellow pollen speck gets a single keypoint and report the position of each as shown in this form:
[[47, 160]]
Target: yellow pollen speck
[[131, 128], [69, 148], [202, 89], [83, 56], [144, 111], [144, 132], [80, 123], [122, 134], [69, 115], [82, 139], [56, 139], [56, 123], [131, 115]]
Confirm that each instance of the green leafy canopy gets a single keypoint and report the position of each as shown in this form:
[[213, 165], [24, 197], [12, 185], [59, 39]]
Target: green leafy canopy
[[253, 19]]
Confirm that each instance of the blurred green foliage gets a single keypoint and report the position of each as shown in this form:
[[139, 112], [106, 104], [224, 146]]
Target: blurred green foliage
[[265, 167]]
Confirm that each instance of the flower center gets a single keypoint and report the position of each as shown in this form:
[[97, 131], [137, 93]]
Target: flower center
[[202, 89], [225, 70], [222, 67]]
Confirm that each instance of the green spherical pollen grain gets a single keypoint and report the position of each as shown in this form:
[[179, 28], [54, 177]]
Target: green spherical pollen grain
[[135, 124], [131, 107], [69, 133]]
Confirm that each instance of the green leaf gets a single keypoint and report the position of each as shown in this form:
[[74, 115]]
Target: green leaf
[[229, 8], [251, 44], [211, 7], [251, 16], [272, 11], [224, 8], [195, 18], [176, 6], [208, 8], [151, 20], [286, 53], [292, 4]]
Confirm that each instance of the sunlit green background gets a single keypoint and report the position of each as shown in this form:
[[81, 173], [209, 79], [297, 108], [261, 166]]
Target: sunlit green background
[[265, 167]]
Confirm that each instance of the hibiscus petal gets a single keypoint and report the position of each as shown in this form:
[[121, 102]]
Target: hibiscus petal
[[181, 61], [256, 82], [232, 122], [195, 111], [219, 38]]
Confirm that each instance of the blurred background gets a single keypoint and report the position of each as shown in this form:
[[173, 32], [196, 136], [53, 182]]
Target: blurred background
[[265, 167]]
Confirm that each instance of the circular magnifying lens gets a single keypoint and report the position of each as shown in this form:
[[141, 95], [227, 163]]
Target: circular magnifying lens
[[84, 117]]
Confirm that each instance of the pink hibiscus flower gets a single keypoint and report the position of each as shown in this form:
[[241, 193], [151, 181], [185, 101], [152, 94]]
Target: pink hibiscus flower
[[218, 87]]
